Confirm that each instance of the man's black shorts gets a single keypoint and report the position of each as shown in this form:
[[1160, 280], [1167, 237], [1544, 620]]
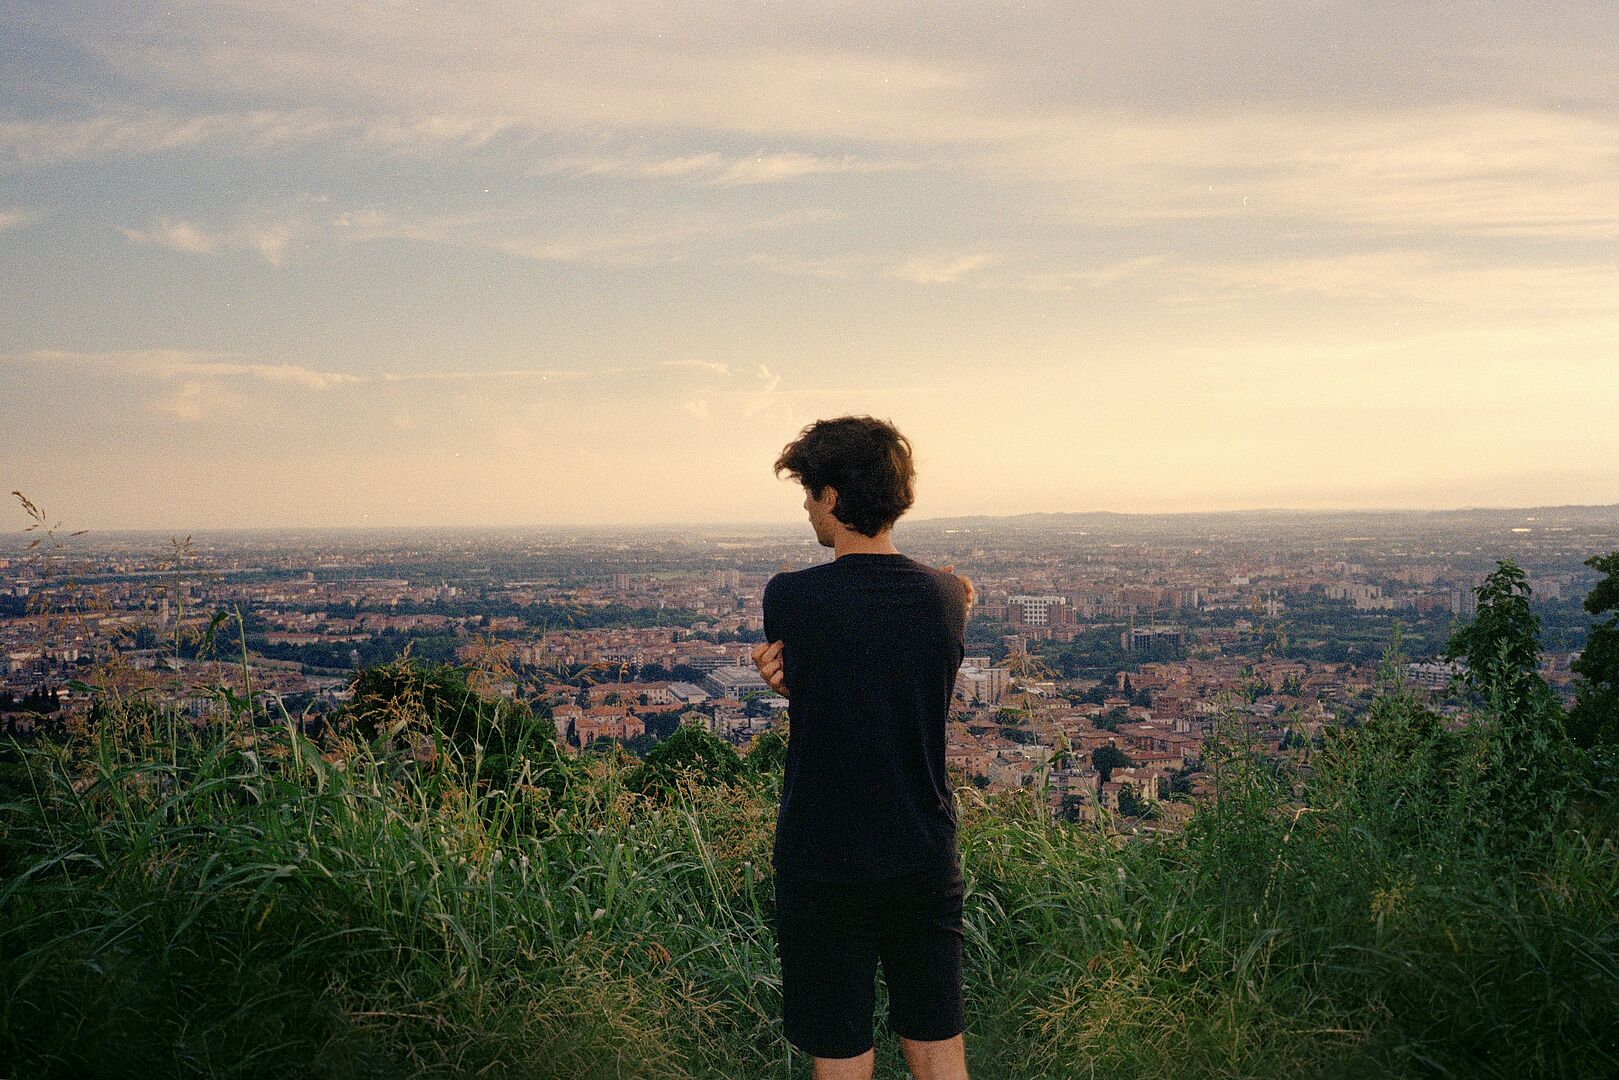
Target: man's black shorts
[[830, 937]]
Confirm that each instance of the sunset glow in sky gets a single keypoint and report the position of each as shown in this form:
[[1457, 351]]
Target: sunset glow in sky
[[299, 263]]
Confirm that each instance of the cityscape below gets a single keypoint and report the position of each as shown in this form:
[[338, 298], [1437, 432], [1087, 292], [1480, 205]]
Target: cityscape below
[[1101, 651]]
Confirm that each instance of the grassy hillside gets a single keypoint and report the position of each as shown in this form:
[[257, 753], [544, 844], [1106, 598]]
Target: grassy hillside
[[440, 892]]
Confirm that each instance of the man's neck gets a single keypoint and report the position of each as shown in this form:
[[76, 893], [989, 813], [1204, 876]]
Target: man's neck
[[852, 543]]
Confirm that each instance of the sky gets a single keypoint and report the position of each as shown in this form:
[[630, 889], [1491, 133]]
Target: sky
[[504, 263]]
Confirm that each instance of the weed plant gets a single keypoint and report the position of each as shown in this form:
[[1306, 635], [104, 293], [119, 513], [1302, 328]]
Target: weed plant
[[238, 899]]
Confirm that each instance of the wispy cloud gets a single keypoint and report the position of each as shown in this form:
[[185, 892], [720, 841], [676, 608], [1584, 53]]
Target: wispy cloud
[[181, 235], [50, 140], [176, 235], [642, 243], [12, 218], [832, 267], [718, 169], [517, 231], [744, 401], [170, 364], [698, 365], [126, 132], [195, 401], [941, 270], [1134, 270], [1479, 171], [525, 233], [266, 238], [1403, 277], [556, 375]]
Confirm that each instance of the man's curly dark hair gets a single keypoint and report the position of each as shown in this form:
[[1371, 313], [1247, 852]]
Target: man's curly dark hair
[[867, 460]]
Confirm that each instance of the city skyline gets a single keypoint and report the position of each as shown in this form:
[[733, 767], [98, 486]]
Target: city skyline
[[273, 265]]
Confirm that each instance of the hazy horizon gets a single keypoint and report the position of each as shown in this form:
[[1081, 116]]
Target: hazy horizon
[[788, 523], [276, 264]]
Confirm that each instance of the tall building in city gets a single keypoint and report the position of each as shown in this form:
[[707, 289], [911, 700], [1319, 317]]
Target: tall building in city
[[1033, 610], [1154, 641], [979, 683]]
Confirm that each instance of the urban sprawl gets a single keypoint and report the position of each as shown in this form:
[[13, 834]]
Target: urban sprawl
[[1102, 651]]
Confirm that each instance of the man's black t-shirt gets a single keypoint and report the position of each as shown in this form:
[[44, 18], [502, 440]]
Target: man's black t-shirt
[[871, 644]]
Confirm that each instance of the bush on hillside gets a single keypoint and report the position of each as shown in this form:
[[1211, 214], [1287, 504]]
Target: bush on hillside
[[767, 753], [692, 753]]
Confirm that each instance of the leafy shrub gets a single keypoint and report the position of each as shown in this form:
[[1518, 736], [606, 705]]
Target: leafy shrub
[[691, 753]]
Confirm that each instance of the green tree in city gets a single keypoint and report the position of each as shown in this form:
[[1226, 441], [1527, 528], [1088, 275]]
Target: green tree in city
[[1501, 646], [1594, 719], [1104, 759], [1522, 743], [1133, 805], [1110, 720], [692, 751]]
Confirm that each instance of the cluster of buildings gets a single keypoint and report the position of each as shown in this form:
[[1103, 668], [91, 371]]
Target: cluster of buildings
[[1184, 622]]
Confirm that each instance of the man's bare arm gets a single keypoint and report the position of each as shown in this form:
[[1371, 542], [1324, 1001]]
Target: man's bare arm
[[767, 658]]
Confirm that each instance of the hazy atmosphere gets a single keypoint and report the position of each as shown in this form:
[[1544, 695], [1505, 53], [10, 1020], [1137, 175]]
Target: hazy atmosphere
[[397, 264]]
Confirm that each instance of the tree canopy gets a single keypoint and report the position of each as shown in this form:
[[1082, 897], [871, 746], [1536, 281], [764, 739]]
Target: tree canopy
[[1594, 719], [691, 751]]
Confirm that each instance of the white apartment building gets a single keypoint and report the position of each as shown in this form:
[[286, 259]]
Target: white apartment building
[[1035, 609]]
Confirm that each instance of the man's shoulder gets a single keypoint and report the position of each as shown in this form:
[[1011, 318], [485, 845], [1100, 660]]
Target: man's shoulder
[[949, 583], [781, 584]]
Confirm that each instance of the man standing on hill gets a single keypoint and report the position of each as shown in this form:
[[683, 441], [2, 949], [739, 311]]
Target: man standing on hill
[[865, 851]]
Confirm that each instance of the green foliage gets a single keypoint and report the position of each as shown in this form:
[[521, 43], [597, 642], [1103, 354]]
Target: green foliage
[[1094, 653], [1522, 759], [1402, 776], [1096, 695], [1594, 720], [420, 712], [1133, 805], [1104, 759], [1110, 720], [390, 698], [235, 902], [1242, 829], [692, 752], [1501, 646], [767, 753]]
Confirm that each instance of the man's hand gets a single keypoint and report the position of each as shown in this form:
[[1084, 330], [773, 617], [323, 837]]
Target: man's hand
[[971, 593], [767, 658]]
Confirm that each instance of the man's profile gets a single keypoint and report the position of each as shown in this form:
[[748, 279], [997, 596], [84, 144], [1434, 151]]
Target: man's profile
[[866, 648]]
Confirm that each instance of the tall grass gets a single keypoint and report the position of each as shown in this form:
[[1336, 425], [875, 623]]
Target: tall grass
[[243, 902]]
